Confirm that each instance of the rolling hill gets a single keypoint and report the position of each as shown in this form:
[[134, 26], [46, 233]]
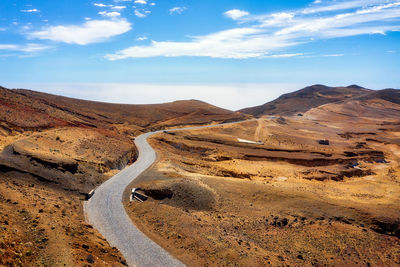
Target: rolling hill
[[25, 108], [75, 142], [55, 149], [305, 99]]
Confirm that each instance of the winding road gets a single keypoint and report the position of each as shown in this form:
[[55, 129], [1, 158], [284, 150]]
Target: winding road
[[106, 212]]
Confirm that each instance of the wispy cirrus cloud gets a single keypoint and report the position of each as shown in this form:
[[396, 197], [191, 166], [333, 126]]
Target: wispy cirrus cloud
[[262, 35], [141, 14], [27, 48], [102, 5], [341, 5], [110, 14], [33, 10], [118, 7], [177, 10], [112, 6], [92, 31]]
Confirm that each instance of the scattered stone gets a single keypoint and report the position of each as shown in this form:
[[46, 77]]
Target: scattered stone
[[323, 142], [90, 258]]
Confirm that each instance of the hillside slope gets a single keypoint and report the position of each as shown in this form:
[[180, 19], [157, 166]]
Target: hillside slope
[[79, 143], [76, 111], [303, 100], [53, 150], [321, 189]]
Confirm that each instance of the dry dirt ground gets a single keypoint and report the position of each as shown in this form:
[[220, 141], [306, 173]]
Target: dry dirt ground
[[43, 225], [54, 150], [289, 201]]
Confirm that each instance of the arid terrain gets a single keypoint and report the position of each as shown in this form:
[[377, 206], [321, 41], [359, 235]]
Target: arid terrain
[[313, 180], [54, 150], [314, 186]]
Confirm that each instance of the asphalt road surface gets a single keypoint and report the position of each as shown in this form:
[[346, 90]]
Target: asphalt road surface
[[106, 212]]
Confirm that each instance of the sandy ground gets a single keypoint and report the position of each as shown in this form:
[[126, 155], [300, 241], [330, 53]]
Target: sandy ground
[[53, 150], [43, 225], [290, 201]]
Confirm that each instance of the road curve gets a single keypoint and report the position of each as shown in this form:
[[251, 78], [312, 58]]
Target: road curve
[[106, 212]]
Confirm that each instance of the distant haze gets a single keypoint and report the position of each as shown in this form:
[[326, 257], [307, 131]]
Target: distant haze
[[229, 96]]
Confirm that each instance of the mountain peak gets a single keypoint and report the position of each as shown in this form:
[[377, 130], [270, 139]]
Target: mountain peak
[[305, 99], [355, 86]]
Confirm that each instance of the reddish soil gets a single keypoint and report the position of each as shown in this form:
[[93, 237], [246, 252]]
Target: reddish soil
[[54, 150], [290, 200]]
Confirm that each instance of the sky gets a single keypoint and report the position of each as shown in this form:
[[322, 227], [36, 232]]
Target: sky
[[233, 54]]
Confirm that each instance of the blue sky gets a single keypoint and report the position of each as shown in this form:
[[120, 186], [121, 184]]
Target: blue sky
[[229, 53]]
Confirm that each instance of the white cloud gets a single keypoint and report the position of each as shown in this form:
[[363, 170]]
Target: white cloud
[[177, 10], [140, 14], [101, 5], [34, 10], [284, 55], [92, 31], [110, 14], [142, 38], [317, 2], [28, 48], [152, 4], [143, 2], [119, 7], [236, 14], [341, 5], [267, 34]]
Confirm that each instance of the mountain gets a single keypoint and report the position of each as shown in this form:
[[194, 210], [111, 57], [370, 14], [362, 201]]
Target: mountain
[[54, 150], [77, 143], [54, 109], [382, 106], [305, 99], [390, 95]]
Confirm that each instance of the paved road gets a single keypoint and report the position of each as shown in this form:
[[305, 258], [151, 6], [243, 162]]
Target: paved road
[[107, 214]]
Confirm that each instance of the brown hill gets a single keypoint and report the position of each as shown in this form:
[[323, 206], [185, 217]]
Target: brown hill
[[305, 99], [53, 149], [98, 113], [286, 191], [75, 142], [390, 95], [382, 106]]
